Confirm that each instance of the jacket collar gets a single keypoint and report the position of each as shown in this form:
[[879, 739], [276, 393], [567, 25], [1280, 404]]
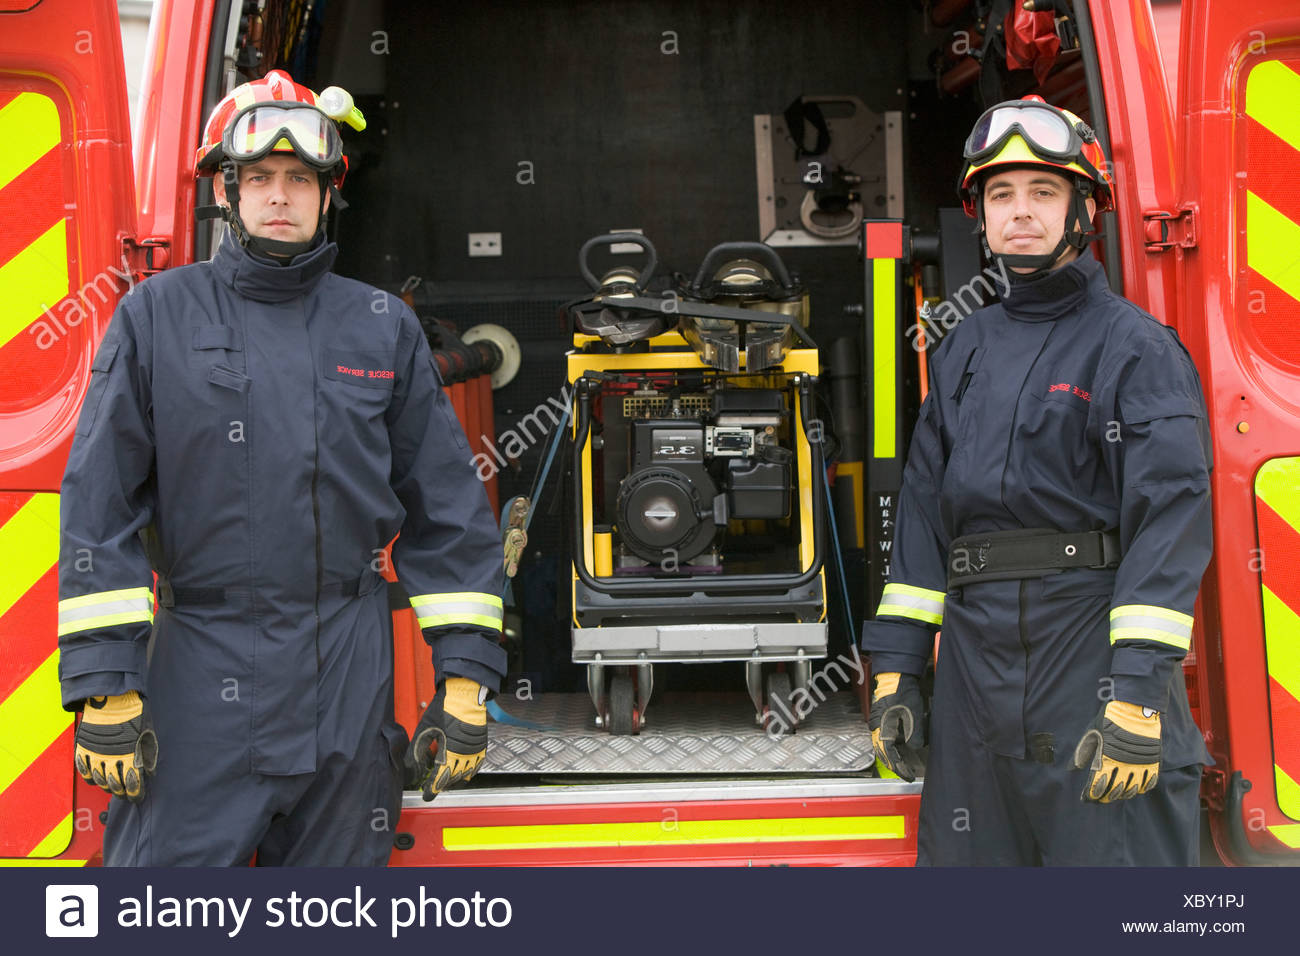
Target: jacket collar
[[1058, 293], [265, 280]]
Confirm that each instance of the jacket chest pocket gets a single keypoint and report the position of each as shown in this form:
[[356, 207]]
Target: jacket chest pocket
[[217, 345]]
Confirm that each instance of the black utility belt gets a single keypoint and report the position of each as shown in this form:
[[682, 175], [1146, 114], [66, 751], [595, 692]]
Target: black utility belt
[[1028, 553]]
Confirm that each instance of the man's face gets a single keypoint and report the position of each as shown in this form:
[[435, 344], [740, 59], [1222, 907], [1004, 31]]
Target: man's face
[[279, 198], [1025, 212]]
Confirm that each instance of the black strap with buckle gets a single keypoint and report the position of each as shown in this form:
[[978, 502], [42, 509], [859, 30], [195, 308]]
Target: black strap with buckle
[[1028, 553]]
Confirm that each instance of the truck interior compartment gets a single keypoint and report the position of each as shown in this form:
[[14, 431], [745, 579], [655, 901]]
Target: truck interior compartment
[[501, 137]]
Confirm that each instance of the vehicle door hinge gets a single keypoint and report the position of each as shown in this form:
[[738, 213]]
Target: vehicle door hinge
[[1164, 230], [147, 256]]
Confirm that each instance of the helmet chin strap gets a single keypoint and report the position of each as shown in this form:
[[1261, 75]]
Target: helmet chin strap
[[1074, 237], [260, 245]]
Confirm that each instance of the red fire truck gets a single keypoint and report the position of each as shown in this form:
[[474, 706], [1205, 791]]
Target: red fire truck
[[1195, 102]]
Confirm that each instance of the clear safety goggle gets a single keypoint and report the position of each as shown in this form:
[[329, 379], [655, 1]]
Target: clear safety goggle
[[1045, 130], [256, 130]]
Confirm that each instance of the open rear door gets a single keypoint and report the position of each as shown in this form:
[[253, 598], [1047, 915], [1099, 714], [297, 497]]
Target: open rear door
[[66, 215], [1238, 226]]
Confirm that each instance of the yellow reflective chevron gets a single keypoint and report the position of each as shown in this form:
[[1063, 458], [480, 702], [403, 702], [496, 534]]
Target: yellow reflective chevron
[[29, 128], [1147, 622], [105, 609], [1272, 92], [1271, 242], [919, 604], [458, 607]]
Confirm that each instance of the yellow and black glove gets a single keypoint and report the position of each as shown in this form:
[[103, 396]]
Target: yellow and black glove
[[1121, 751], [895, 722], [450, 741], [115, 744]]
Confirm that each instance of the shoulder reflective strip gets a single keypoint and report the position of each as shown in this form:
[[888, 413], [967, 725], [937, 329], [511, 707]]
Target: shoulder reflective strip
[[33, 706], [1271, 239], [1146, 622], [685, 832], [105, 609], [30, 543], [29, 128], [34, 280], [56, 841], [904, 600], [1272, 92], [884, 333]]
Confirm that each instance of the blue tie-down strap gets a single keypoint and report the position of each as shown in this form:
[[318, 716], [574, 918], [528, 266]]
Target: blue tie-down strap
[[501, 717]]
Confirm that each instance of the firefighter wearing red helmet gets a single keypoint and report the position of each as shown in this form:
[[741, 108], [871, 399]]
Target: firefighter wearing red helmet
[[1055, 522], [256, 431]]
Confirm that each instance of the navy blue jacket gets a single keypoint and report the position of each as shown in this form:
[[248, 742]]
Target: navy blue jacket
[[1063, 407], [266, 430]]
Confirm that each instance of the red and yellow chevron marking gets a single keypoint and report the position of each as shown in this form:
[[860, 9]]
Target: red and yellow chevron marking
[[1272, 213], [34, 269], [1277, 502], [36, 774]]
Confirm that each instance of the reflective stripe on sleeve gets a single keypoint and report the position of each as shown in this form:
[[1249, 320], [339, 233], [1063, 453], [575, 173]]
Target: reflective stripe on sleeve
[[1146, 622], [104, 609], [464, 607], [903, 600]]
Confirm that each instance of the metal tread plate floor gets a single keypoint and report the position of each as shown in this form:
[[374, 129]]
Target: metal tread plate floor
[[684, 733]]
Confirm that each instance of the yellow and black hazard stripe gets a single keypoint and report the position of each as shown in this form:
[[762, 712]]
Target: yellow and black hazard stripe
[[36, 783]]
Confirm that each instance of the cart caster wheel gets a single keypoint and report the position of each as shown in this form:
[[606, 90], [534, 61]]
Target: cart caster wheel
[[623, 718], [777, 719]]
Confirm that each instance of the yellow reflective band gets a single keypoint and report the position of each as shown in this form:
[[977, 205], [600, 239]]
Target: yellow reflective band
[[441, 620], [56, 841], [29, 128], [1272, 92], [884, 331], [30, 543], [34, 280], [1282, 642], [904, 600], [1271, 241], [493, 599], [1278, 484], [463, 607], [683, 832], [1147, 622], [32, 861], [34, 707], [105, 609]]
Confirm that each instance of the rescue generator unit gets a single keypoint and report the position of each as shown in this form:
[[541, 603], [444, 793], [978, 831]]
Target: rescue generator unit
[[698, 526]]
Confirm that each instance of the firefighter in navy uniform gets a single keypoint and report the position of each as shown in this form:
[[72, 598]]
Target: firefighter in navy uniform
[[1055, 522], [256, 430]]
